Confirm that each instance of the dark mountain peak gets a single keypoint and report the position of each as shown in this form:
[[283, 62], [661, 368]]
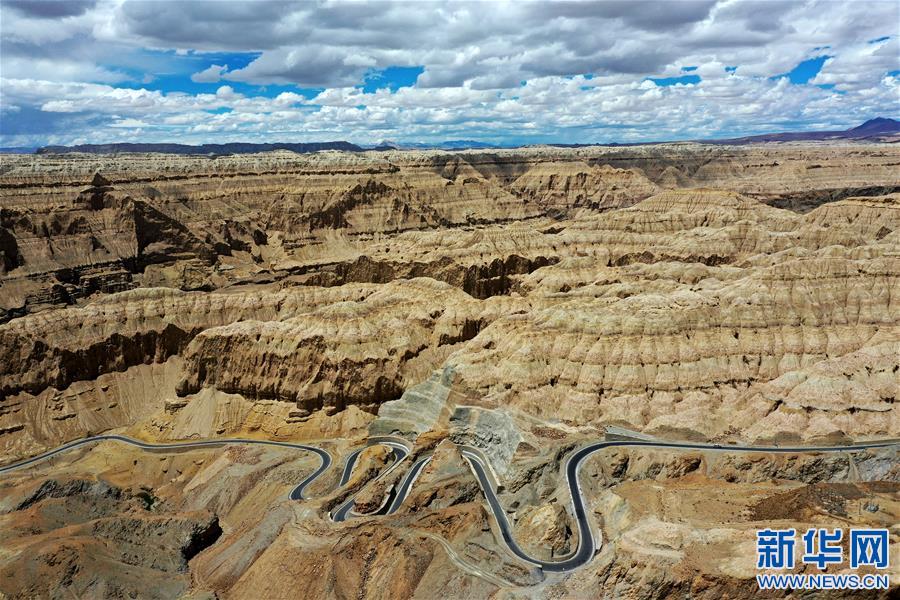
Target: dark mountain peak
[[871, 130], [877, 126], [100, 181]]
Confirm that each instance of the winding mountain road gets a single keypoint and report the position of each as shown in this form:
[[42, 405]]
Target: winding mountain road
[[478, 463], [295, 494], [400, 450], [587, 543]]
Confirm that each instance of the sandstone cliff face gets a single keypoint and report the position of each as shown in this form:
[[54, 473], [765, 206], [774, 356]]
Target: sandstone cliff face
[[668, 348], [141, 326], [669, 315], [63, 238], [647, 359], [353, 352], [560, 188], [516, 301]]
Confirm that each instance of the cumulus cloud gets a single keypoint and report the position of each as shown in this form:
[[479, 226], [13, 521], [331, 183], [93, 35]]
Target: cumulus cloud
[[567, 71], [51, 9], [861, 66], [211, 74], [306, 66]]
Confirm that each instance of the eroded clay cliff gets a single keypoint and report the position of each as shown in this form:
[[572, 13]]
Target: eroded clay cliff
[[522, 303]]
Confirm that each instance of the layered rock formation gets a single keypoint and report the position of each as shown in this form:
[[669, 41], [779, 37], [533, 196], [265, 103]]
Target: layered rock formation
[[361, 352], [518, 302], [560, 187]]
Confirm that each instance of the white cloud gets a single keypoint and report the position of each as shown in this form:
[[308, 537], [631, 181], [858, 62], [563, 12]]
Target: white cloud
[[129, 123], [860, 66], [211, 74], [307, 66], [475, 56]]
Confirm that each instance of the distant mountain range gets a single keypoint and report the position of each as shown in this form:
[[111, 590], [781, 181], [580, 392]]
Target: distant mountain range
[[233, 148], [873, 129], [877, 129], [448, 145], [249, 148], [19, 150]]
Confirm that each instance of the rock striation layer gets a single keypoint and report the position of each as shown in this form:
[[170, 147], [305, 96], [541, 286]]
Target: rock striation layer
[[518, 302]]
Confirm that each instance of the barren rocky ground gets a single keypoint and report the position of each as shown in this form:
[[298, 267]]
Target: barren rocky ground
[[524, 302]]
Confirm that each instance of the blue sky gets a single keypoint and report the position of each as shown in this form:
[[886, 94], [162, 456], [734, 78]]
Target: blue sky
[[508, 73], [806, 70], [392, 78]]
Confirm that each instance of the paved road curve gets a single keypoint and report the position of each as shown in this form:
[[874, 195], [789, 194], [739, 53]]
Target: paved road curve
[[296, 493], [400, 450], [587, 544]]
